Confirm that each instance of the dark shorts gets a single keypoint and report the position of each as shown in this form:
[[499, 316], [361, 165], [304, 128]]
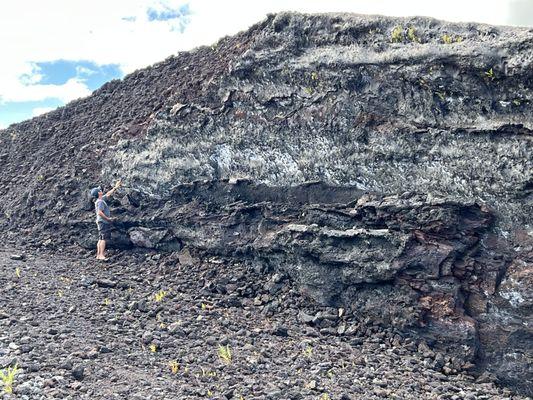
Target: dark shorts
[[104, 231]]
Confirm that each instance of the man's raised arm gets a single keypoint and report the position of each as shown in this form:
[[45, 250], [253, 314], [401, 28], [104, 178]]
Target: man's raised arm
[[117, 185]]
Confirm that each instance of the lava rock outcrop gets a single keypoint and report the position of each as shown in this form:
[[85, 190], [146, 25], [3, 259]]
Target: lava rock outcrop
[[383, 164]]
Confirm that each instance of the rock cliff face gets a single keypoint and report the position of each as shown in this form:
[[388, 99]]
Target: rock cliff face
[[384, 164]]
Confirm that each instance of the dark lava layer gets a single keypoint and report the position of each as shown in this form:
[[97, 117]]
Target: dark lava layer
[[382, 165]]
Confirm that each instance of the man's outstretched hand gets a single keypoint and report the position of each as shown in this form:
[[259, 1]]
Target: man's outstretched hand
[[117, 185]]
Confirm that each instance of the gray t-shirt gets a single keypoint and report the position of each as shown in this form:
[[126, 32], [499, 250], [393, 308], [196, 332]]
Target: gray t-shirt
[[101, 205]]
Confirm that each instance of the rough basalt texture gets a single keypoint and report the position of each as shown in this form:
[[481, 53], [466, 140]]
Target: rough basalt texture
[[383, 164]]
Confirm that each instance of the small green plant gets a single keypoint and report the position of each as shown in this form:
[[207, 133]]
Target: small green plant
[[207, 372], [441, 95], [517, 102], [447, 39], [153, 348], [174, 366], [224, 353], [397, 34], [325, 396], [314, 76], [423, 83], [17, 272], [411, 34], [8, 377], [490, 74], [308, 352], [159, 296]]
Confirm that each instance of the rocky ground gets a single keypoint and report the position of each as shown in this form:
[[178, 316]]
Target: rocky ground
[[147, 326]]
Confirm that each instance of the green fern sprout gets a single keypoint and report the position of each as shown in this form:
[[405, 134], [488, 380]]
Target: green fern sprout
[[8, 377], [159, 296], [490, 74], [224, 353], [441, 95], [447, 39], [411, 34], [207, 372], [397, 34], [174, 366]]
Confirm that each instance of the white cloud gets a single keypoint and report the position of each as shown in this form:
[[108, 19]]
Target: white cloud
[[80, 70], [40, 111], [74, 30], [19, 92], [119, 31]]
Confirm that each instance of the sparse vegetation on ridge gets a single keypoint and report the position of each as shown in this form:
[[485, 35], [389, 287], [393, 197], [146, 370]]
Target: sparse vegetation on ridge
[[397, 34], [412, 36]]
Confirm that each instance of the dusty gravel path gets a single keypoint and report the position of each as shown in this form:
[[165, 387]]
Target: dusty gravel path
[[83, 330]]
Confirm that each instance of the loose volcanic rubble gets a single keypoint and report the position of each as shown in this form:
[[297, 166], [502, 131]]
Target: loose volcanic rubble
[[147, 326]]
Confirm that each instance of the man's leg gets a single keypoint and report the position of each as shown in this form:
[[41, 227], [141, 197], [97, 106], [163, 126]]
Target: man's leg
[[103, 250], [99, 249], [99, 243]]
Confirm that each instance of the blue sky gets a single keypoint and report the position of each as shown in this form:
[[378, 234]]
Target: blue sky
[[55, 51], [57, 73], [51, 61]]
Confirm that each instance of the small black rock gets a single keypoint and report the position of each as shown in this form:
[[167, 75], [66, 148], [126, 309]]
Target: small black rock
[[78, 372]]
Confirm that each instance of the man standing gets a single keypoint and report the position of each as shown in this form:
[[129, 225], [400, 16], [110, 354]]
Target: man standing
[[103, 218]]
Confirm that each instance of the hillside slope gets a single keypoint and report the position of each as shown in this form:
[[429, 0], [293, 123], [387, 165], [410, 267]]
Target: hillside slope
[[383, 164]]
